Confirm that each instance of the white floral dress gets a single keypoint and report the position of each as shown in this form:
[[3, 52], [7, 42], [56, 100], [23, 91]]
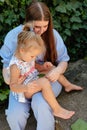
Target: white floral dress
[[28, 69]]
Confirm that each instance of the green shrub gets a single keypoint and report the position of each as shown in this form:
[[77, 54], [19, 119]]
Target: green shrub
[[70, 19], [4, 90]]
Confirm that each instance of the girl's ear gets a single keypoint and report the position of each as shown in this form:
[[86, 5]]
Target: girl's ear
[[21, 50]]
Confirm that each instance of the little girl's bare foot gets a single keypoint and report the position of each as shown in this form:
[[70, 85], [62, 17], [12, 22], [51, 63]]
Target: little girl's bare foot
[[64, 114], [73, 87]]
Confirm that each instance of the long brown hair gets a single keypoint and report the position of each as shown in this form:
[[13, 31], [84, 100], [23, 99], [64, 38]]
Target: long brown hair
[[37, 11]]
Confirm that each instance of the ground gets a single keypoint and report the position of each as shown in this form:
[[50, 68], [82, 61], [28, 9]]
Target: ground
[[77, 101]]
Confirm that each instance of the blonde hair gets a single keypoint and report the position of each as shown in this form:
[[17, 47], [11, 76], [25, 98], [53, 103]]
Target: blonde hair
[[25, 39]]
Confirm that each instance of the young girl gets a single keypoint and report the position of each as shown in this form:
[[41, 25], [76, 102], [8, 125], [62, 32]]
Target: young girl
[[24, 81]]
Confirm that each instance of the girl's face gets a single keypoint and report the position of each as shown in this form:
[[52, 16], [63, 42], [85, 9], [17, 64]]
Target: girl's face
[[40, 26], [29, 55]]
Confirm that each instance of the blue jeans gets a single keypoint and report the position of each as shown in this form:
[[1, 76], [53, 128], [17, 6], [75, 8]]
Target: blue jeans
[[18, 113]]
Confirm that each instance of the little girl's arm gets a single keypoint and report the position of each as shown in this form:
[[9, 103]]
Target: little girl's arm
[[16, 82]]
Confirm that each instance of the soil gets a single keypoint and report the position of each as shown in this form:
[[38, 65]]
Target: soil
[[75, 100]]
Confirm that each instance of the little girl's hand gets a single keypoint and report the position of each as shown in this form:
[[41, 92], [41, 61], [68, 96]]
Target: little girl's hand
[[48, 65], [21, 79], [33, 87], [53, 75]]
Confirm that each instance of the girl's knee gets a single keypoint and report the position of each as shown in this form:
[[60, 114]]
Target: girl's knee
[[44, 82]]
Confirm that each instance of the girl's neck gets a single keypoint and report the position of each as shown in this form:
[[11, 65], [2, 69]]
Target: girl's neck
[[17, 54]]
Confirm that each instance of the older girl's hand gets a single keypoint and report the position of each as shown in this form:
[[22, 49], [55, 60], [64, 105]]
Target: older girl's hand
[[53, 75]]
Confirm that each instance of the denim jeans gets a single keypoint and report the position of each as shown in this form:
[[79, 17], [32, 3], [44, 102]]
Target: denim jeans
[[18, 113]]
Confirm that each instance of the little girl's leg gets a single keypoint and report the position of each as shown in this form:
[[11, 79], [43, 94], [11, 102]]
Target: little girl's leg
[[68, 85], [50, 98]]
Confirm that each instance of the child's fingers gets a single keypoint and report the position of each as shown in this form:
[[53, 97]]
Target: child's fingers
[[21, 79], [48, 65]]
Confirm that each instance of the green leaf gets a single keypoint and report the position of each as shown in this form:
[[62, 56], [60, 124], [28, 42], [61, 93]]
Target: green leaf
[[75, 4], [55, 2], [67, 32], [61, 8], [75, 19], [69, 6], [3, 97], [76, 26], [41, 75], [1, 18], [2, 0]]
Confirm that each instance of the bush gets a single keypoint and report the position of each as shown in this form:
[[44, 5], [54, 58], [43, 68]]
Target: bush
[[4, 91], [70, 19]]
